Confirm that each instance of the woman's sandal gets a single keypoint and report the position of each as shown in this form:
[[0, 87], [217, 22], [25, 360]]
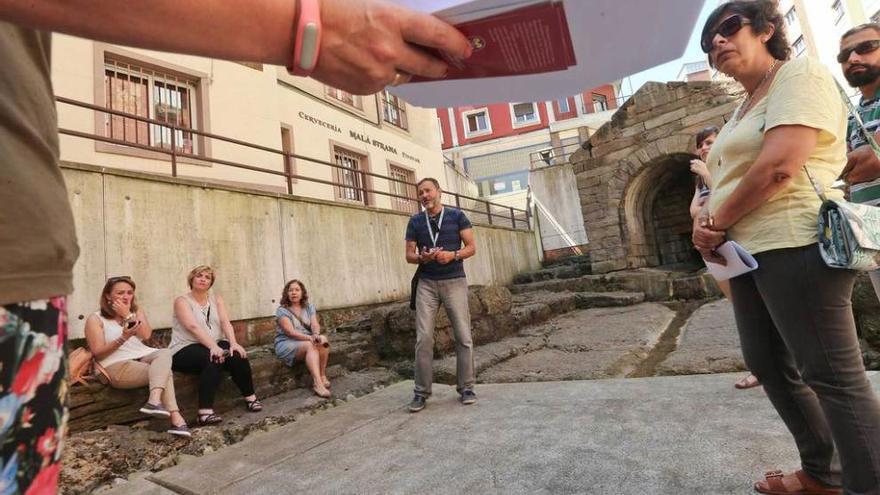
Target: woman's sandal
[[796, 483], [745, 382], [325, 394], [208, 419], [254, 405]]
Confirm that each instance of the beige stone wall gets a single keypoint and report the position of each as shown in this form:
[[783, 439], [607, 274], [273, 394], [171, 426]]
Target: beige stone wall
[[156, 229], [627, 159]]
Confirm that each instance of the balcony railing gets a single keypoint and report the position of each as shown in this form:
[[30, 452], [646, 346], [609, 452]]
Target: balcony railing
[[553, 156], [481, 211]]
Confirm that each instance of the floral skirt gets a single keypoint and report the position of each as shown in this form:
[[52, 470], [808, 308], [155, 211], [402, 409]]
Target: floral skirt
[[33, 397]]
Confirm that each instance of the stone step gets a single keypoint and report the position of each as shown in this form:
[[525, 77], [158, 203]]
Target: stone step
[[581, 344], [708, 343], [561, 271], [657, 285], [95, 405], [583, 259], [101, 458]]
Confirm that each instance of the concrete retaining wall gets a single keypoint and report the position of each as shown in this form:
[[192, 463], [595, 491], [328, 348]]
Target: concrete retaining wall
[[556, 188], [156, 229]]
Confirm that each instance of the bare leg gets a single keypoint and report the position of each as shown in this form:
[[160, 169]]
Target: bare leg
[[177, 419], [310, 354], [324, 356]]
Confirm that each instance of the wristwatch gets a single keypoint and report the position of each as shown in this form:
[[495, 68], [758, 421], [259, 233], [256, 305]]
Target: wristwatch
[[456, 255], [307, 39]]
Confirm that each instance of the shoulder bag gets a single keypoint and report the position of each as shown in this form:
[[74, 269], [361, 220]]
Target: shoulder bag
[[849, 233]]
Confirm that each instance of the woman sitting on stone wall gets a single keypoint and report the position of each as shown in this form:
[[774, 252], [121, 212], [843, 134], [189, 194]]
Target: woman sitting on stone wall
[[203, 343], [115, 335], [298, 335], [794, 312]]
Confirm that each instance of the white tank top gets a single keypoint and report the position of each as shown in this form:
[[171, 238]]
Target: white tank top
[[206, 316], [133, 348]]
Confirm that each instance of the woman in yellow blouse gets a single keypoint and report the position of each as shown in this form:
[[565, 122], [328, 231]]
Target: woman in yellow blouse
[[793, 313]]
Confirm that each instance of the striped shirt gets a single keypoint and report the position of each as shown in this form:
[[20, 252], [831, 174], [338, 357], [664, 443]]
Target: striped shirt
[[869, 111]]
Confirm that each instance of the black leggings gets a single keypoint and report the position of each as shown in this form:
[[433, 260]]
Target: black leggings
[[195, 359]]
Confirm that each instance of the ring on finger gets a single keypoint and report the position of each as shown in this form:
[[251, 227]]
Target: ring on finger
[[400, 77]]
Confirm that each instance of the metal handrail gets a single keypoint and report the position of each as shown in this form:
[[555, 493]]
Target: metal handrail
[[287, 174], [560, 155]]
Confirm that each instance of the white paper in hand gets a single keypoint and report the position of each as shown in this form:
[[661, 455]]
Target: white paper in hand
[[739, 261]]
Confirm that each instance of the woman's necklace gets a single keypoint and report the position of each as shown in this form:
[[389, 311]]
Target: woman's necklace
[[747, 104]]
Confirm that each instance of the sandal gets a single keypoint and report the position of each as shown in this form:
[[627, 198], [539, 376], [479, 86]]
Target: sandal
[[796, 483], [254, 405], [325, 394], [208, 419], [747, 382]]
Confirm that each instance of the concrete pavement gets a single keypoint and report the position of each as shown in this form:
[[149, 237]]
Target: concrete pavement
[[665, 435]]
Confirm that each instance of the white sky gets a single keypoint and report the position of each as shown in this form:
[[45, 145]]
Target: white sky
[[669, 71]]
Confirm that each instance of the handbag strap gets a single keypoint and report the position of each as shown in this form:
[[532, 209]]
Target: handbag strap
[[308, 326], [860, 124]]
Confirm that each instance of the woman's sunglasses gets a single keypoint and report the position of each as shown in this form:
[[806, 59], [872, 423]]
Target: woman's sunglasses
[[726, 28], [860, 48]]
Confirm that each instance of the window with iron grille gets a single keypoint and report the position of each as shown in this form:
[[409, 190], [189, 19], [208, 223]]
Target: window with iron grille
[[407, 190], [350, 178], [600, 103], [345, 97], [394, 110], [152, 94]]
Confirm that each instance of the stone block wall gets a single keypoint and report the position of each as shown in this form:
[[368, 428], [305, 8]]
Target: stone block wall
[[628, 159]]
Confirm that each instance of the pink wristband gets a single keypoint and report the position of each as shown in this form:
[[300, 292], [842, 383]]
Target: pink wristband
[[307, 41]]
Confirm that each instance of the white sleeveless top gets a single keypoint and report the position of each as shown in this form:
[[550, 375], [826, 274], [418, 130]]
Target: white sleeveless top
[[206, 316], [133, 348]]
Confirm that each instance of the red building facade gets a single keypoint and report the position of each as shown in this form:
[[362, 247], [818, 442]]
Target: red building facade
[[467, 125]]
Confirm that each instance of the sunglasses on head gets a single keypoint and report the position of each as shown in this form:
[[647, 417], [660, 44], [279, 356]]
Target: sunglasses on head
[[860, 48], [123, 278], [726, 28]]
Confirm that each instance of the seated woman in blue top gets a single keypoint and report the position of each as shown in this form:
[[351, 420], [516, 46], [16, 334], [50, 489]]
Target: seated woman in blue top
[[298, 335]]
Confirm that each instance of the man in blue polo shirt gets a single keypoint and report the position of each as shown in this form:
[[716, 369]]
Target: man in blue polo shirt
[[859, 59], [438, 240]]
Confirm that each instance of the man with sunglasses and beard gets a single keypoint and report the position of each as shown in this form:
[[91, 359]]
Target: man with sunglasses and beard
[[859, 58], [438, 239]]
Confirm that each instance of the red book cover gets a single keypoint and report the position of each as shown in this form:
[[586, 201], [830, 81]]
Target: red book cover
[[530, 40]]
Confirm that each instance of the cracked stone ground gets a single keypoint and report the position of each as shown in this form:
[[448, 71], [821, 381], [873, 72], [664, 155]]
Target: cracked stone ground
[[584, 344]]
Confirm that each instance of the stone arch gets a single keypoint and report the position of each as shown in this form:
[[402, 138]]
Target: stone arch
[[633, 178], [654, 213]]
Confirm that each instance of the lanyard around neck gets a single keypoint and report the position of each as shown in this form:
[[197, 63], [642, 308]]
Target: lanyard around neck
[[434, 237]]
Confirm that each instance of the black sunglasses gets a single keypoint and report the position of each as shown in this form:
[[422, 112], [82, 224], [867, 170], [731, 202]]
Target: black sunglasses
[[860, 48], [114, 280], [726, 28]]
